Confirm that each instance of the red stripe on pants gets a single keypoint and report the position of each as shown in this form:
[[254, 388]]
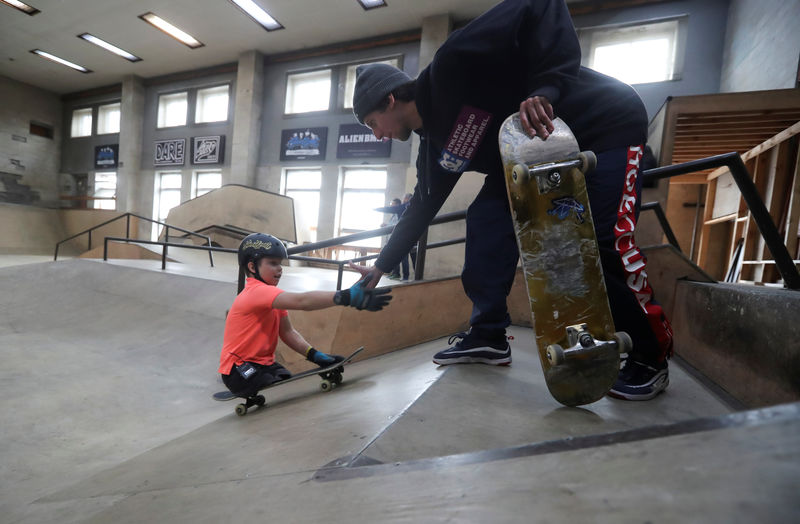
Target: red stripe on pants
[[632, 259]]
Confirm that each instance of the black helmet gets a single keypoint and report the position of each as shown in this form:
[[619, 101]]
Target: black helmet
[[259, 245]]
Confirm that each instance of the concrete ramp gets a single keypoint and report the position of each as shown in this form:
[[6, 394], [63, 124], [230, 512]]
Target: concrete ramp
[[243, 207]]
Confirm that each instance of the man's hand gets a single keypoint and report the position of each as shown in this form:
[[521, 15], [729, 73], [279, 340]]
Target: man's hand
[[369, 276], [536, 116], [360, 298]]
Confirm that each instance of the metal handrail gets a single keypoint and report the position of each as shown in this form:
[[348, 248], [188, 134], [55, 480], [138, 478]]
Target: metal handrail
[[422, 247], [128, 216], [164, 246], [758, 211]]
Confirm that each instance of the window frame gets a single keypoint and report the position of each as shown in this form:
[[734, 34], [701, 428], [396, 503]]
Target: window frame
[[99, 120], [285, 190], [348, 90], [343, 189], [196, 178], [197, 97], [90, 109], [184, 92], [592, 37], [104, 204], [331, 79]]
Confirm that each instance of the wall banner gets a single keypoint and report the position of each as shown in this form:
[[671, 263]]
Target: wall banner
[[304, 144], [170, 152], [357, 141], [208, 149], [106, 157]]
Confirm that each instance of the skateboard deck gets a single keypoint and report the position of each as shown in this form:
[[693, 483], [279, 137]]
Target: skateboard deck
[[578, 347], [331, 377]]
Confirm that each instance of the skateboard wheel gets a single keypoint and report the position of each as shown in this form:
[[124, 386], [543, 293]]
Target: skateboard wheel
[[520, 173], [624, 342], [589, 161], [555, 354], [241, 410], [260, 400], [325, 385]]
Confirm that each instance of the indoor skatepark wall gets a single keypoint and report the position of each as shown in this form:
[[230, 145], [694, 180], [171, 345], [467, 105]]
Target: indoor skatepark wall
[[240, 206], [33, 230]]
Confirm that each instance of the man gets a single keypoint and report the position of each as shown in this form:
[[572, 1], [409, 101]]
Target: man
[[522, 55]]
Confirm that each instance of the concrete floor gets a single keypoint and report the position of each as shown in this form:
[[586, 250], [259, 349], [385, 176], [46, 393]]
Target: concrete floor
[[107, 417]]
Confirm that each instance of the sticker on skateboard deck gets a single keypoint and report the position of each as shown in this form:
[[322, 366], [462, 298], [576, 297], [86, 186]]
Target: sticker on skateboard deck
[[331, 377], [578, 347]]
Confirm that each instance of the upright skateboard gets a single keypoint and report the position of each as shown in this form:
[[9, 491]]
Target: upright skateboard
[[331, 377], [574, 331]]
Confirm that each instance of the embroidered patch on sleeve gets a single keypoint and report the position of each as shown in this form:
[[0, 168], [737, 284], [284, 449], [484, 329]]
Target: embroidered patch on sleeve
[[466, 136]]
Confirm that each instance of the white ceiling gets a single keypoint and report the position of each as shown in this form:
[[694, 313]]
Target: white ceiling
[[221, 26]]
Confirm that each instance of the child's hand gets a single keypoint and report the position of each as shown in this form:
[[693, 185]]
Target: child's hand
[[321, 359]]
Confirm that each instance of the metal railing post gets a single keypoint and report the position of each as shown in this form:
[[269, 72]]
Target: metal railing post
[[422, 248]]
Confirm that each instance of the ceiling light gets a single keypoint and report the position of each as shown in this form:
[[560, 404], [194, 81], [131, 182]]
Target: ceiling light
[[258, 14], [61, 61], [25, 8], [109, 47], [171, 30], [371, 4]]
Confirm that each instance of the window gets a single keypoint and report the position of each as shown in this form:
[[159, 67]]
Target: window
[[303, 186], [108, 119], [212, 104], [167, 195], [81, 122], [205, 181], [307, 92], [105, 188], [350, 81], [635, 54], [172, 110], [363, 190]]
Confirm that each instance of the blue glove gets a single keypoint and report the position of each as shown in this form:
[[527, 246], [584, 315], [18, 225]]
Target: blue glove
[[360, 298], [321, 359]]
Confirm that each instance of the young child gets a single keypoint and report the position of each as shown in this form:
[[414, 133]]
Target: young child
[[259, 316]]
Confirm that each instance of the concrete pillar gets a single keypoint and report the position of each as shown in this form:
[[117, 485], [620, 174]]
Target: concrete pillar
[[131, 129], [247, 118], [328, 197], [435, 30]]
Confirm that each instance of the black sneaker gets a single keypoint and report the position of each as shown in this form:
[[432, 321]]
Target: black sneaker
[[638, 381], [471, 349]]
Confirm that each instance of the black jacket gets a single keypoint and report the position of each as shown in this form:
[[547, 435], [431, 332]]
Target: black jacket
[[479, 76]]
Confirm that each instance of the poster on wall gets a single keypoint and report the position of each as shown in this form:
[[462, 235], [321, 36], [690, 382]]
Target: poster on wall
[[357, 141], [208, 149], [106, 157], [170, 152], [304, 144]]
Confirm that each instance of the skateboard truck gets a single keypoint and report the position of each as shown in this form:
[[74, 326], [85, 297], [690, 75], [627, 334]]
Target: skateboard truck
[[582, 345], [548, 176]]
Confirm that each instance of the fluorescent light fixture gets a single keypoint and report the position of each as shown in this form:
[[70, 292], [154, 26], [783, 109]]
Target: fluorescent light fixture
[[258, 14], [371, 4], [109, 47], [25, 8], [61, 61], [171, 30]]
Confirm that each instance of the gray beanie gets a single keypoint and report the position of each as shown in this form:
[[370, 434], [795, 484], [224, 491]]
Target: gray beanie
[[373, 83]]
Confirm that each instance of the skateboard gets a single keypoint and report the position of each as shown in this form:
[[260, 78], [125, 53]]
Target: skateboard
[[331, 377], [578, 347]]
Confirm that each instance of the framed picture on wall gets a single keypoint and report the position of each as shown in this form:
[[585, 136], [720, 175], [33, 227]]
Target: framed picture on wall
[[208, 149], [357, 141], [170, 152], [106, 156], [307, 143]]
